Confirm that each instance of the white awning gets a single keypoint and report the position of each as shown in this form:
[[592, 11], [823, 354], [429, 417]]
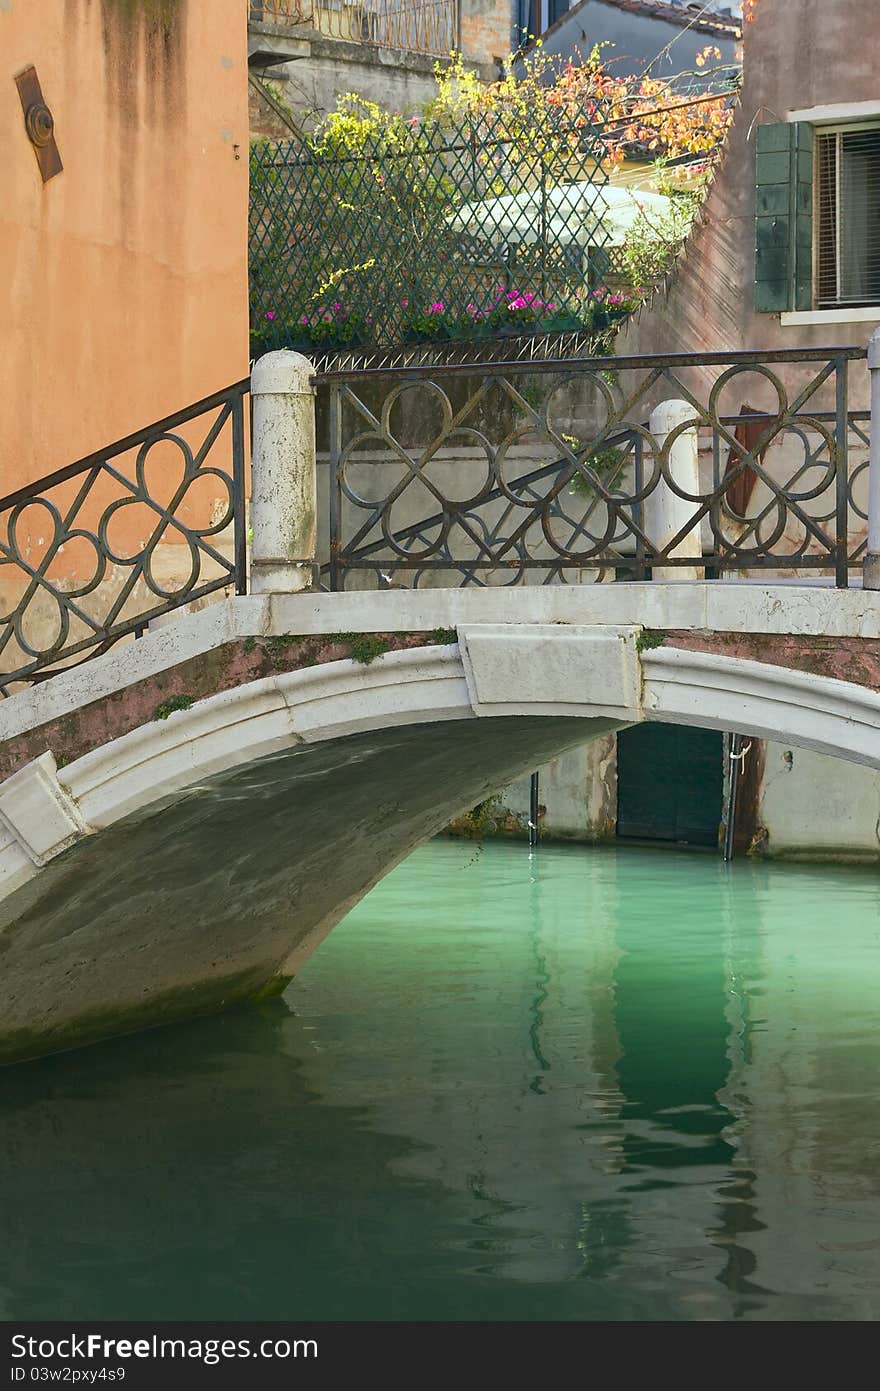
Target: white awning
[[581, 213]]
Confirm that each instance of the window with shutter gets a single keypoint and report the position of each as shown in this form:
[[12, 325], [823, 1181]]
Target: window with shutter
[[847, 212], [783, 217]]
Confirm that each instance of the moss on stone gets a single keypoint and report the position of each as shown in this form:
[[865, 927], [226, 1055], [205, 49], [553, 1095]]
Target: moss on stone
[[363, 647], [649, 638], [174, 703]]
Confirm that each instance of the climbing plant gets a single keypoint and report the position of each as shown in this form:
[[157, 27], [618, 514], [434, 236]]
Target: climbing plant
[[479, 214]]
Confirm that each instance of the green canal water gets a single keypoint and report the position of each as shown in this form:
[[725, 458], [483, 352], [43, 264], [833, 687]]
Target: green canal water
[[612, 1084]]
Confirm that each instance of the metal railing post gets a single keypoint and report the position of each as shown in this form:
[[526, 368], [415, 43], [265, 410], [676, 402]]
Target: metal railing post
[[667, 514], [871, 566], [335, 486], [283, 475], [841, 434]]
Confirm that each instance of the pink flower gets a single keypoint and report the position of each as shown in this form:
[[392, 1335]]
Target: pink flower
[[304, 319], [336, 307], [270, 313], [438, 307], [404, 304]]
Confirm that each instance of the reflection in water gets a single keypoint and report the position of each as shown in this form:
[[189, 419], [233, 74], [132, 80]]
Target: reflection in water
[[611, 1084]]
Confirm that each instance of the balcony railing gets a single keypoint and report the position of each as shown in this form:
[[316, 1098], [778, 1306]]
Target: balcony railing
[[415, 26]]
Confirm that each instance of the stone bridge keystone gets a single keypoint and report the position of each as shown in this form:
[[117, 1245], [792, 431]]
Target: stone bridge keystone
[[544, 669]]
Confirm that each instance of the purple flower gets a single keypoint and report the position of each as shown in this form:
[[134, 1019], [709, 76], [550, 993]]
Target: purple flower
[[270, 313]]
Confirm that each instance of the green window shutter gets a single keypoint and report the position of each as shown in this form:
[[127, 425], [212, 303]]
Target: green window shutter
[[784, 217]]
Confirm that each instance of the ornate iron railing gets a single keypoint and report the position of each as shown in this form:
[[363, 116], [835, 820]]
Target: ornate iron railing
[[538, 472], [95, 551], [415, 26]]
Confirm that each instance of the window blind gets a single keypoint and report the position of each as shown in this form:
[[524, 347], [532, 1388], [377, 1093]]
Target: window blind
[[847, 192]]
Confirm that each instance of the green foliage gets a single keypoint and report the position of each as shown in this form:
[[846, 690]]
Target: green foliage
[[607, 464], [655, 240], [444, 637], [363, 647], [647, 639], [482, 820], [174, 703]]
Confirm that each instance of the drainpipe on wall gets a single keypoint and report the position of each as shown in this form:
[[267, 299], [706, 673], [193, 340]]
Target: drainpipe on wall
[[871, 566]]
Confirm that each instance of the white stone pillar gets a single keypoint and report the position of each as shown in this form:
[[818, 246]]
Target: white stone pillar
[[871, 566], [665, 512], [283, 482]]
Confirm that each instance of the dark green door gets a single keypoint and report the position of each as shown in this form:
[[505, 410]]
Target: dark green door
[[669, 783]]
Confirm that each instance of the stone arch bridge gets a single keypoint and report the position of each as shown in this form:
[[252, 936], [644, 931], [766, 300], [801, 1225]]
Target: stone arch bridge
[[183, 818]]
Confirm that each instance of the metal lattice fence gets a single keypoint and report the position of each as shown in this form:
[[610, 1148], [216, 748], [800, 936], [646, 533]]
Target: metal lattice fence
[[501, 224]]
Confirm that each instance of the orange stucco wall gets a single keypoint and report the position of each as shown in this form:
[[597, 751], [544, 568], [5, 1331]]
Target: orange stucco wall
[[123, 281]]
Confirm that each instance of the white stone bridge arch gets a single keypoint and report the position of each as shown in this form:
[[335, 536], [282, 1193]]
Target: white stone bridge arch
[[183, 819]]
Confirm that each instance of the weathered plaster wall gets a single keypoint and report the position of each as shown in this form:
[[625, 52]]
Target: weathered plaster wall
[[310, 86], [123, 281], [577, 791], [393, 79], [813, 808]]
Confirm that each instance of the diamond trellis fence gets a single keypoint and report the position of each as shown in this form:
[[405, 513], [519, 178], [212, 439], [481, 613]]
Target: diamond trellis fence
[[499, 225], [552, 472]]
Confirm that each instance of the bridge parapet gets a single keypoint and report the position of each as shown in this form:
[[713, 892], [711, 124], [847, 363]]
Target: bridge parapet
[[743, 465]]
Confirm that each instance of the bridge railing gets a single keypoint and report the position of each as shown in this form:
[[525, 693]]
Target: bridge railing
[[94, 552], [678, 466]]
